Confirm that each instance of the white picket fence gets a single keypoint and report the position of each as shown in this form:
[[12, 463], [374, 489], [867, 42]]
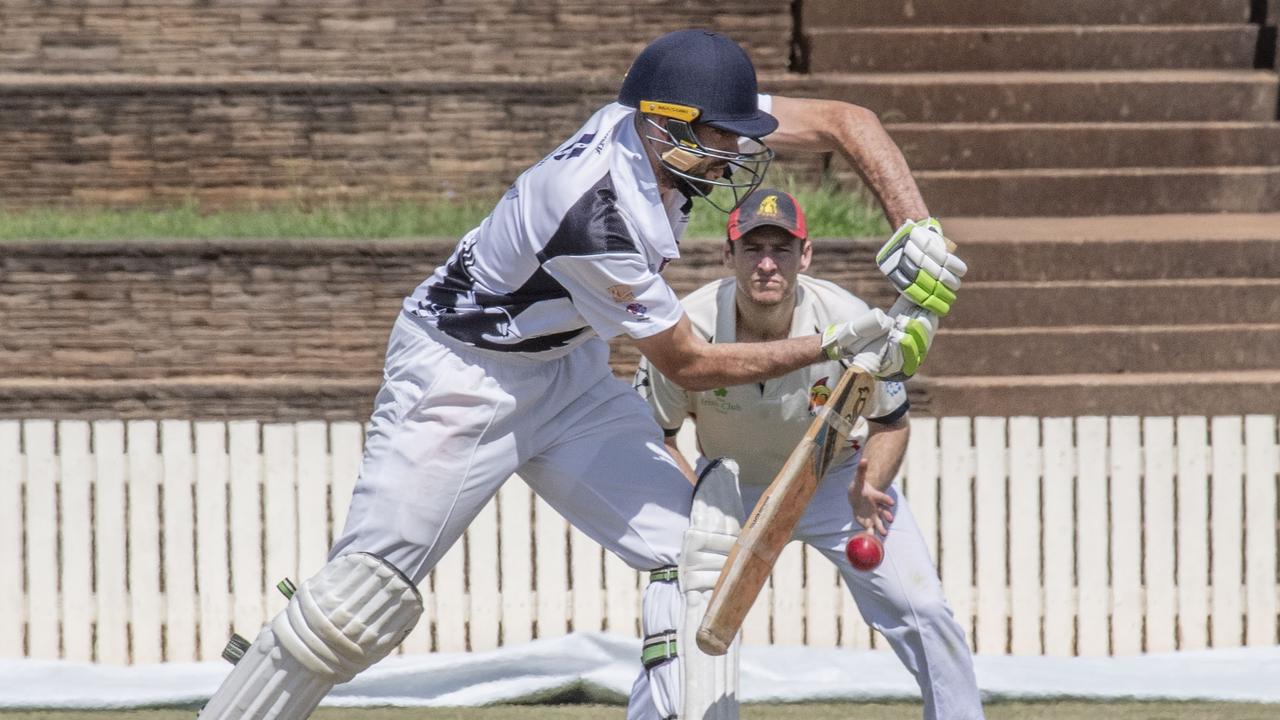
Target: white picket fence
[[147, 541]]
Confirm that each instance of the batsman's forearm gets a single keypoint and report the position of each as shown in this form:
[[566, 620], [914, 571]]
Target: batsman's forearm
[[864, 142], [725, 364], [884, 452], [811, 125]]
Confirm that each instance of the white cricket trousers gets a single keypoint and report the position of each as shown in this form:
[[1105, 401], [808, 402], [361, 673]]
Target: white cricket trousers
[[902, 598], [452, 423]]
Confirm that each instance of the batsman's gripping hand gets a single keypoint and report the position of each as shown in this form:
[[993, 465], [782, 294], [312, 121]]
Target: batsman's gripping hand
[[849, 338], [897, 349], [920, 267], [907, 344]]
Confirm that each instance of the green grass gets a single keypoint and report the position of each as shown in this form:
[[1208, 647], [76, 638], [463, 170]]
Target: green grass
[[815, 711], [832, 212]]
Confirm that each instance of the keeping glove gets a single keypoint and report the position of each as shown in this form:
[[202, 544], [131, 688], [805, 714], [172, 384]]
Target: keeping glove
[[920, 267], [844, 339]]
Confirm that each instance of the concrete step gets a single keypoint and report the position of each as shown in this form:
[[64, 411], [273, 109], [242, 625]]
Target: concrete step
[[1028, 97], [1104, 349], [1216, 392], [1116, 302], [1076, 191], [210, 397], [1034, 47], [842, 13], [1131, 247], [983, 146]]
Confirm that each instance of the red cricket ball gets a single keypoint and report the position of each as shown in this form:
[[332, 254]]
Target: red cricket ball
[[865, 551]]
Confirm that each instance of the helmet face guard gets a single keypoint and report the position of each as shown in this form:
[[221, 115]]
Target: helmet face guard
[[689, 161]]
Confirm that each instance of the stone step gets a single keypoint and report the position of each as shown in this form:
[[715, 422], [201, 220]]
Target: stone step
[[1008, 304], [210, 397], [1027, 97], [1131, 247], [1215, 392], [982, 146], [842, 13], [1071, 192], [1104, 349], [1043, 47]]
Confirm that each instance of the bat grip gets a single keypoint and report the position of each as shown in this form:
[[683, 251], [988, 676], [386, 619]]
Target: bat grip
[[836, 421], [867, 361]]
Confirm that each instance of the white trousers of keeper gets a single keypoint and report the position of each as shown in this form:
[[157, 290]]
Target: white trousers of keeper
[[451, 424], [902, 598]]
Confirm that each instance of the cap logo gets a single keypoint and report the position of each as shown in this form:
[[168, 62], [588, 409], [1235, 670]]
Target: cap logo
[[768, 206], [671, 110]]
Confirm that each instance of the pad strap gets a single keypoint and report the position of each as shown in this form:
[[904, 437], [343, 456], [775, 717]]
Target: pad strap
[[664, 574], [658, 649]]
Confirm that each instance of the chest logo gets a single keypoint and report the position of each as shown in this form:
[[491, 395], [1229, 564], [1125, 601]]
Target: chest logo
[[819, 393], [719, 401]]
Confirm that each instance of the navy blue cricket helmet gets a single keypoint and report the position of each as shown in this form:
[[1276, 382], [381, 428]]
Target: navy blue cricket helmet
[[699, 77]]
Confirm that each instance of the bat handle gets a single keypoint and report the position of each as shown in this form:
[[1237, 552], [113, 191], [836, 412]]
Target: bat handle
[[711, 644]]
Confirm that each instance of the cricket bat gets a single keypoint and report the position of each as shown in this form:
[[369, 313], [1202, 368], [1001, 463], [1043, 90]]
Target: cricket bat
[[771, 523]]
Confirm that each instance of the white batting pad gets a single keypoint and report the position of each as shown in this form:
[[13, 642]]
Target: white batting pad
[[710, 682], [347, 617]]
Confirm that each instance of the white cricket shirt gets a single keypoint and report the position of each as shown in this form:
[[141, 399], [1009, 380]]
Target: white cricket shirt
[[759, 424], [572, 251]]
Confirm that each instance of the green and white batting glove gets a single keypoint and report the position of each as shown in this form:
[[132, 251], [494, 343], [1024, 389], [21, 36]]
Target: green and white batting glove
[[917, 262], [846, 339], [902, 351]]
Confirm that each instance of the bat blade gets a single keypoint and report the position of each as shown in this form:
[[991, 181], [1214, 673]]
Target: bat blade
[[768, 529]]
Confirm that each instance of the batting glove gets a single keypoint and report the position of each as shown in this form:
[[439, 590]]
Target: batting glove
[[899, 355], [850, 338], [917, 262]]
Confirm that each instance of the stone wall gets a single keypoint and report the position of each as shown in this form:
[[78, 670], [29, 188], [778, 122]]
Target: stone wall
[[219, 141], [277, 139], [222, 329], [129, 102], [530, 38]]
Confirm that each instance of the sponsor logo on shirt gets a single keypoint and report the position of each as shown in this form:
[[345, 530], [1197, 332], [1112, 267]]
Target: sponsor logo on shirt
[[622, 293], [819, 393], [718, 400], [576, 149], [638, 310]]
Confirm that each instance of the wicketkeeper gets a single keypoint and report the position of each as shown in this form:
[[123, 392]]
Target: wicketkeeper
[[759, 424]]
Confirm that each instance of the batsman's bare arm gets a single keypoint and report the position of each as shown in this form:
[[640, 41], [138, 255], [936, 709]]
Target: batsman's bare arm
[[809, 125], [696, 365]]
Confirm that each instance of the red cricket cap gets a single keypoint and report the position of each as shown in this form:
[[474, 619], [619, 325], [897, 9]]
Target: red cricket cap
[[767, 206]]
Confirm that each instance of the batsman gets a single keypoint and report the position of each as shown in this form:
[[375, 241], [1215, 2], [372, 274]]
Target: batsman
[[497, 364], [759, 424]]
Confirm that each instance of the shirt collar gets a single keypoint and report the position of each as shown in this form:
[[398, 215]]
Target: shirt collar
[[630, 167]]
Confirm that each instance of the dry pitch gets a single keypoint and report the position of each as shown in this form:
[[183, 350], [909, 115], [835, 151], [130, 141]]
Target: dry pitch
[[816, 711]]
